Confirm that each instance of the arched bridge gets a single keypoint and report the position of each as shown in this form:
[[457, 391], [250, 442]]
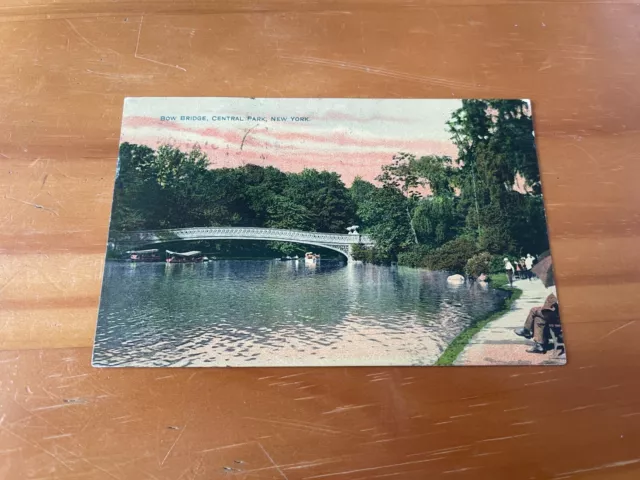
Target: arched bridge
[[342, 243]]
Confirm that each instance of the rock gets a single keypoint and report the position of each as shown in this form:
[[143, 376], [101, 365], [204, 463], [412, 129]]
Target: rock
[[457, 279]]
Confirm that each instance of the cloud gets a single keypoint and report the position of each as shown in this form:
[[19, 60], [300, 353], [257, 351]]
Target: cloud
[[337, 146]]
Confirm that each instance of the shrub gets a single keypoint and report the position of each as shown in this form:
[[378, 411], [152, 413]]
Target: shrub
[[413, 257], [370, 255], [452, 256], [478, 264], [496, 265], [359, 252]]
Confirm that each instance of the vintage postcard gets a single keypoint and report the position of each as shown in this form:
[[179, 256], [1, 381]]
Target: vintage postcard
[[327, 232]]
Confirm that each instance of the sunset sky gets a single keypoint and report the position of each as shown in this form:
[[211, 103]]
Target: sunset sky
[[349, 136]]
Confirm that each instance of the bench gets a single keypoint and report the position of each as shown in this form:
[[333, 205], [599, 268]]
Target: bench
[[556, 339]]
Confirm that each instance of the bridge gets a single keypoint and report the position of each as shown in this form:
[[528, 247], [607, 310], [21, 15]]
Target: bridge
[[342, 243]]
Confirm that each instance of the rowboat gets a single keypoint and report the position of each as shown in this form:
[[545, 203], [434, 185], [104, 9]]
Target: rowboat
[[193, 256], [151, 255], [311, 258]]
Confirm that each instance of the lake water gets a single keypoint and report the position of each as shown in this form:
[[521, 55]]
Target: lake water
[[273, 313]]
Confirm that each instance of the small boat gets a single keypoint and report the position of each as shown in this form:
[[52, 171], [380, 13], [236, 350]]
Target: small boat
[[185, 257], [311, 258], [151, 255]]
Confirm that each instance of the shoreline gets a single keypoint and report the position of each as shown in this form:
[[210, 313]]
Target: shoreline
[[496, 343], [455, 348]]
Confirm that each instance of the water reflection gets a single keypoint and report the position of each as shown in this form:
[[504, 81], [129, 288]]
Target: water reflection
[[250, 312]]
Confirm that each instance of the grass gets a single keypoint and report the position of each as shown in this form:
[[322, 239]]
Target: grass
[[455, 348], [498, 279]]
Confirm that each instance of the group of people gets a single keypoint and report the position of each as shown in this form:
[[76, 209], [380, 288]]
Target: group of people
[[521, 270]]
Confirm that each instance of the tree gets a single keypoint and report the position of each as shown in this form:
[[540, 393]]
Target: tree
[[401, 176], [284, 213], [513, 136], [496, 145], [436, 220], [382, 215], [226, 205], [325, 197], [437, 172], [259, 187], [137, 194], [529, 224], [361, 191], [184, 182]]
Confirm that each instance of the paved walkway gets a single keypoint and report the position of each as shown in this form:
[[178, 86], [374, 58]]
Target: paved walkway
[[496, 344]]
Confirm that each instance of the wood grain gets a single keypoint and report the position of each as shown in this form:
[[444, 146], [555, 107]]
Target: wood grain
[[66, 68]]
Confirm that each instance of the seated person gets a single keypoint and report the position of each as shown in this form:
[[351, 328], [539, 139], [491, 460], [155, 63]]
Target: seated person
[[536, 324]]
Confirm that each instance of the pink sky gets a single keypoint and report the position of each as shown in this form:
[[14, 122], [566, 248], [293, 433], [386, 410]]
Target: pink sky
[[349, 136]]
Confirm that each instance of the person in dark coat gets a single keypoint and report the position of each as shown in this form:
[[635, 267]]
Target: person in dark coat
[[535, 326]]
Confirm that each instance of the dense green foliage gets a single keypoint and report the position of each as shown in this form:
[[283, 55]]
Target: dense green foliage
[[431, 211], [371, 255], [473, 206], [452, 256], [169, 188]]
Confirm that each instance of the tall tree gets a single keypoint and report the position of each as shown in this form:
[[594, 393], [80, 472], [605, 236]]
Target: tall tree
[[381, 214], [437, 220], [436, 172], [495, 146], [183, 180], [137, 193], [260, 187], [401, 176]]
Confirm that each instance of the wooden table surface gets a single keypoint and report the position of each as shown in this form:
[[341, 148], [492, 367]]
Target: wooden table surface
[[66, 67]]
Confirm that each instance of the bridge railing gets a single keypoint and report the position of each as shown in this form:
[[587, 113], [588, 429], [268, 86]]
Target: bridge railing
[[252, 233]]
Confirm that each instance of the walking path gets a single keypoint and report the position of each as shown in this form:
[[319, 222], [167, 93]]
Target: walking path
[[497, 344]]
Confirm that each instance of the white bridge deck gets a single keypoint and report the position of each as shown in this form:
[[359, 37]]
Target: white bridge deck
[[335, 241]]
